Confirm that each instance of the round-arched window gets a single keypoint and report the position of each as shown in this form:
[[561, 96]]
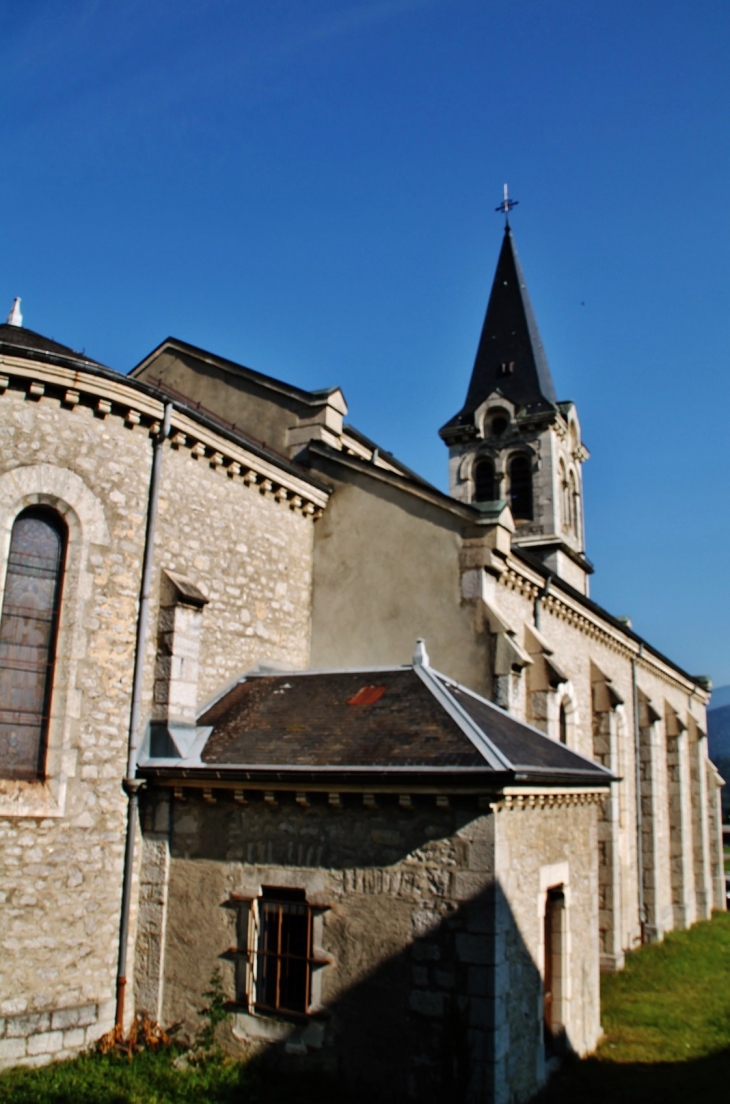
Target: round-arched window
[[28, 631], [484, 481], [563, 724]]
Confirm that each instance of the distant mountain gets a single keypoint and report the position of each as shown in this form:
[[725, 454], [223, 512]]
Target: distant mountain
[[718, 739], [718, 732], [720, 697]]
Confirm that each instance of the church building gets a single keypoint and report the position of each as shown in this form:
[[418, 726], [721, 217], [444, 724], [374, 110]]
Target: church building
[[274, 707]]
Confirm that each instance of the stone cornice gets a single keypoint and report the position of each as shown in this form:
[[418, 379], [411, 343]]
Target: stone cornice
[[548, 800], [137, 405], [519, 577]]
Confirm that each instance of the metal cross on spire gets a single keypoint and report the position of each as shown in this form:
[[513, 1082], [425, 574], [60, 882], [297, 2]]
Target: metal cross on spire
[[506, 206]]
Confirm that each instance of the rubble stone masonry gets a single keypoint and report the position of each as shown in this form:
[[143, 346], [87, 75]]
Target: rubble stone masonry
[[62, 839]]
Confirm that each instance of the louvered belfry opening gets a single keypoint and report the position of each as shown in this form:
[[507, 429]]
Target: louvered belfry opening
[[484, 481], [520, 475], [28, 632]]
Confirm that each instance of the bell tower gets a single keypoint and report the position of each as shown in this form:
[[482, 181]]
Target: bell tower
[[512, 441]]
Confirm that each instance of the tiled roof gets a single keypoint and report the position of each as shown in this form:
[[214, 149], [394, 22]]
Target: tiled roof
[[370, 718], [378, 719]]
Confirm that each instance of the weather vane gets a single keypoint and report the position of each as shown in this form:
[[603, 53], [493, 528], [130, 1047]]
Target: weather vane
[[506, 206]]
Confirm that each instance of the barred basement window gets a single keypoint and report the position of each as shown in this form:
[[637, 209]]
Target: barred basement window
[[28, 632], [274, 954], [284, 951]]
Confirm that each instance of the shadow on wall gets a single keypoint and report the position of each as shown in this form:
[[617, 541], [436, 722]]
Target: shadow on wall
[[451, 1019], [437, 1005]]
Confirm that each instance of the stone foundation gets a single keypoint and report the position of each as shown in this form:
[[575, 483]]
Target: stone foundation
[[36, 1038]]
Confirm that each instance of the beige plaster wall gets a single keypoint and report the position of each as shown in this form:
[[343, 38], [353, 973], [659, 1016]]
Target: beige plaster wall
[[232, 397], [386, 571]]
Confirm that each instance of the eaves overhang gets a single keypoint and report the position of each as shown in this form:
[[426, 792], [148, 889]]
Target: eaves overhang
[[558, 584], [472, 514], [308, 398], [359, 779], [16, 360]]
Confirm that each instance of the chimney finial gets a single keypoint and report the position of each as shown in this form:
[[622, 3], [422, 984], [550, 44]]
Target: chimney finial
[[15, 318], [420, 656]]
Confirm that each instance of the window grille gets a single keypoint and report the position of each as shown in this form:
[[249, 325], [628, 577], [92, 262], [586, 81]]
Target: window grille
[[28, 631], [274, 954]]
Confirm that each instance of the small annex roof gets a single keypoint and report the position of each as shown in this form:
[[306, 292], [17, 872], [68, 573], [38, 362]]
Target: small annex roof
[[383, 721]]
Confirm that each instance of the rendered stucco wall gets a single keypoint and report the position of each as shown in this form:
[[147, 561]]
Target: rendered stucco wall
[[386, 571], [430, 966]]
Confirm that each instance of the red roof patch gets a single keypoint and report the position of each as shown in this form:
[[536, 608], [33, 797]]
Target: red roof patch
[[368, 695]]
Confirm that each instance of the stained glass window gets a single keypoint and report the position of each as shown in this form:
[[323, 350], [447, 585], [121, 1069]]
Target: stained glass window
[[28, 630]]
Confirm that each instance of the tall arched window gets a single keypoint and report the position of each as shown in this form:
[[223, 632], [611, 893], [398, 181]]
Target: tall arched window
[[520, 485], [563, 724], [484, 482], [564, 499], [574, 504], [28, 631]]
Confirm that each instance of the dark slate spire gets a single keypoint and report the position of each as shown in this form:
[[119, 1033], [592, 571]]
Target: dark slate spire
[[510, 357]]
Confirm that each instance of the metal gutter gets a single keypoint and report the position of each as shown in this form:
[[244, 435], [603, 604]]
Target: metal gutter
[[131, 784], [357, 779], [639, 814]]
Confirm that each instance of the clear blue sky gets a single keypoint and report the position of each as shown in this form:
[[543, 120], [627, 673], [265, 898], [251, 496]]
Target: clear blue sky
[[308, 188]]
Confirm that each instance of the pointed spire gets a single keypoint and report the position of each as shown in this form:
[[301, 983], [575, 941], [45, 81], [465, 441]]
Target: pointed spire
[[510, 357], [15, 318]]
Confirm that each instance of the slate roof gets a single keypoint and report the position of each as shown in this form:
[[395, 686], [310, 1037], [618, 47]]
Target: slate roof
[[378, 720], [509, 337], [25, 340]]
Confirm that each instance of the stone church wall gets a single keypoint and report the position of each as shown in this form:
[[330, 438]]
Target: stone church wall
[[542, 845], [62, 840], [347, 623], [433, 952]]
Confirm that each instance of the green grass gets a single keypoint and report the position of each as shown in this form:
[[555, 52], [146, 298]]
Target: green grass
[[150, 1078], [666, 1019]]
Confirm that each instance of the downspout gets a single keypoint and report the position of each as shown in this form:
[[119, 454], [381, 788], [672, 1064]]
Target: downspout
[[637, 765], [130, 784]]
